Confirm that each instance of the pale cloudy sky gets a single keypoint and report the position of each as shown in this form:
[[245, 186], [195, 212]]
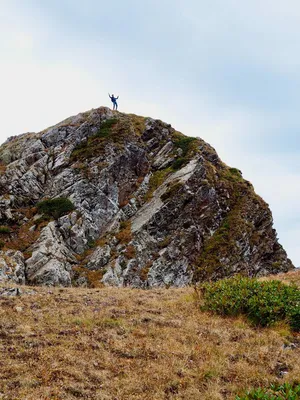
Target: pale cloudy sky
[[225, 70]]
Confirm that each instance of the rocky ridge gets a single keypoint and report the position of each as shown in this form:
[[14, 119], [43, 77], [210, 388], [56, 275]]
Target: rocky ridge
[[152, 208]]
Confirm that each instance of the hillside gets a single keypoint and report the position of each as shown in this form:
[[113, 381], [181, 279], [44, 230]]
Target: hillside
[[137, 204], [120, 343]]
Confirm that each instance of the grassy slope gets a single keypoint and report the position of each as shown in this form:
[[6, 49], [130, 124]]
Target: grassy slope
[[132, 344]]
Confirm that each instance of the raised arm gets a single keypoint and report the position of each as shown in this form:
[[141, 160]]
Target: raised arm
[[109, 95], [117, 97]]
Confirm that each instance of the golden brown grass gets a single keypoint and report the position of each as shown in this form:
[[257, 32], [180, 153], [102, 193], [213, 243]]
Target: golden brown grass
[[130, 252], [2, 168], [132, 344], [124, 235], [289, 277]]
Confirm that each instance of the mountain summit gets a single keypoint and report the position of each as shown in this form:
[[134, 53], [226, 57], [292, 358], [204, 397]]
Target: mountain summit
[[118, 199]]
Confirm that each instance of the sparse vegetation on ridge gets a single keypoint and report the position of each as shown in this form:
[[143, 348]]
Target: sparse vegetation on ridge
[[113, 130], [95, 144], [188, 146], [106, 128], [223, 243], [156, 179]]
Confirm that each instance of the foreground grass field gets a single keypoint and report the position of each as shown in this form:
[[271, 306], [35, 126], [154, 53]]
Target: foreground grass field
[[132, 344]]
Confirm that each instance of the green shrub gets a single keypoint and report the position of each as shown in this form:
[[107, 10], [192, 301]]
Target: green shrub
[[105, 127], [55, 207], [284, 391], [233, 175], [2, 244], [184, 143], [179, 162], [4, 229], [264, 303]]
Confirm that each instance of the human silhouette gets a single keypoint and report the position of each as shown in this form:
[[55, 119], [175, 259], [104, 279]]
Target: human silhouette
[[114, 101]]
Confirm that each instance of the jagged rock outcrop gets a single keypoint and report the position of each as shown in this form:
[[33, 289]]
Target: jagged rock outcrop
[[152, 207]]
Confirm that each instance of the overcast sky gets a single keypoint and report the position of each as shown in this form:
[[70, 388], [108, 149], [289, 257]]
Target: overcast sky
[[225, 70]]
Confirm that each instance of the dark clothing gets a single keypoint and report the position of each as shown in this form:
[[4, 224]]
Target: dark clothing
[[114, 101]]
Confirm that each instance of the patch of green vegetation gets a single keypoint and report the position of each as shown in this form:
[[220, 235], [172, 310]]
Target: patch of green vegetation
[[156, 179], [4, 229], [233, 175], [185, 144], [95, 144], [173, 190], [242, 202], [235, 171], [179, 162], [2, 244], [55, 207], [263, 303], [223, 243], [106, 127], [285, 391], [138, 123], [188, 145], [92, 244]]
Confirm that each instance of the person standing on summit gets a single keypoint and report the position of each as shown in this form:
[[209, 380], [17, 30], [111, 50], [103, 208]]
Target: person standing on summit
[[114, 101]]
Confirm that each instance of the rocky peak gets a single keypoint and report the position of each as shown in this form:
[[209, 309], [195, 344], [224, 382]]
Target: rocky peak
[[150, 207]]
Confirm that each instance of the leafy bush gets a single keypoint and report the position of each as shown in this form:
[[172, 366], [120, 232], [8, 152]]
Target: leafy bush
[[264, 303], [4, 229], [285, 391], [55, 207]]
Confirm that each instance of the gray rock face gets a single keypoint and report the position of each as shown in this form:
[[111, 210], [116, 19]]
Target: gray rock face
[[153, 208], [12, 267], [51, 259]]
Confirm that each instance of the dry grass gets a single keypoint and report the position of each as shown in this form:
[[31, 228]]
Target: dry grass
[[130, 252], [2, 168], [124, 235], [131, 344], [289, 277]]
